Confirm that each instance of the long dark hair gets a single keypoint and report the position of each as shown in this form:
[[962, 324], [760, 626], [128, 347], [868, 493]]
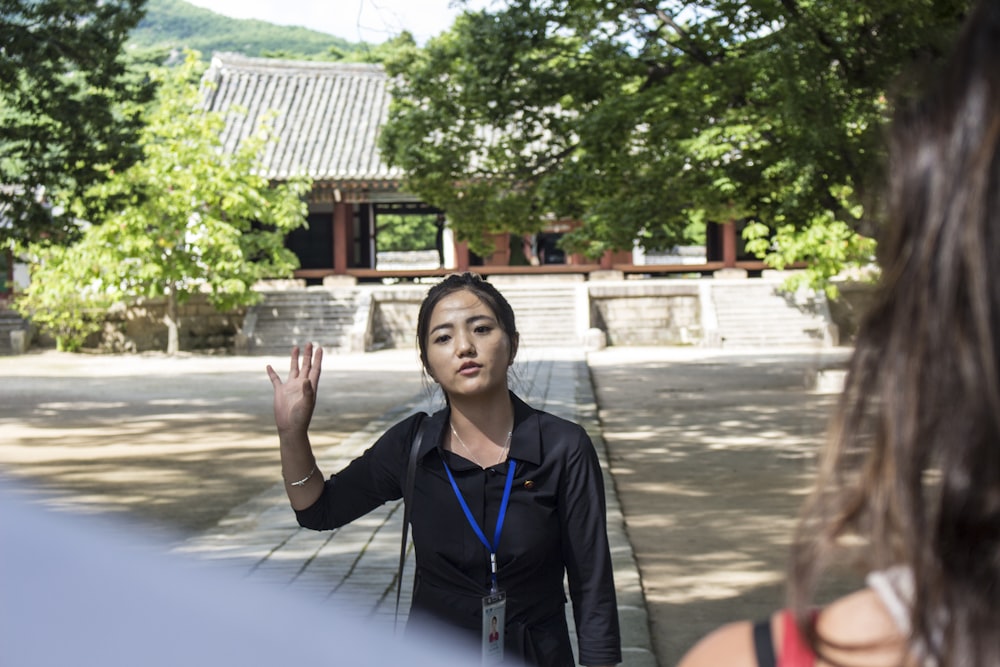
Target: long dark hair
[[474, 283], [911, 472]]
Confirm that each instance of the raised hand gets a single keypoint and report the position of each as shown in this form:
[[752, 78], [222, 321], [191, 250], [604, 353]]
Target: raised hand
[[295, 398]]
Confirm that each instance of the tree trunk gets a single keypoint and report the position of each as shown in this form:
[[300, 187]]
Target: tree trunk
[[170, 319]]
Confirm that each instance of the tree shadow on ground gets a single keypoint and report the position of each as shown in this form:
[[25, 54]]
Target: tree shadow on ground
[[711, 460], [175, 452]]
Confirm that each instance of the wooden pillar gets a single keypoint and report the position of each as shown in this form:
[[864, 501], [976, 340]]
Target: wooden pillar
[[7, 277], [341, 237], [501, 250], [462, 256], [729, 244], [606, 260]]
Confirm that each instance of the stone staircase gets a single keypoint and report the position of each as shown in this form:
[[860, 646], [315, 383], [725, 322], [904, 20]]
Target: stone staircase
[[744, 313], [295, 317], [547, 312], [756, 313]]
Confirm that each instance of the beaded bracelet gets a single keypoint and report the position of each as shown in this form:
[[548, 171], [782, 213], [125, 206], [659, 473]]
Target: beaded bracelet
[[304, 479]]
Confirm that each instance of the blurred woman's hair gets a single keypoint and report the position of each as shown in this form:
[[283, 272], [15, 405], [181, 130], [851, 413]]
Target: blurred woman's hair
[[911, 474]]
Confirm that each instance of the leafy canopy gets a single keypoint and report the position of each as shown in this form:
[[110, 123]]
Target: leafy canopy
[[68, 106], [640, 118], [188, 217]]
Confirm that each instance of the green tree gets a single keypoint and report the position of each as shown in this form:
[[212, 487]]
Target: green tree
[[68, 106], [639, 118], [380, 53], [66, 296], [407, 232], [195, 218]]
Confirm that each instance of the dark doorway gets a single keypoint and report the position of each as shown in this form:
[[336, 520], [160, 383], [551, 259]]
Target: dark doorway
[[548, 250], [313, 245]]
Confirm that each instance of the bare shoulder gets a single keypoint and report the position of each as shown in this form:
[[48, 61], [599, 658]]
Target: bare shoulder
[[858, 630], [729, 646]]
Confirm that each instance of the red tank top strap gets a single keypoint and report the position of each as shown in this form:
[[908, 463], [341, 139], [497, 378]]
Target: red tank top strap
[[795, 651]]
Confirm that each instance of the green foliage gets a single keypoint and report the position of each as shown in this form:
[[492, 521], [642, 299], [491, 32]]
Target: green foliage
[[69, 107], [640, 118], [66, 296], [829, 246], [378, 53], [406, 232], [188, 217], [175, 24]]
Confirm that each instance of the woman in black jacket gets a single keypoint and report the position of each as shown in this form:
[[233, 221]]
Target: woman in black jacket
[[507, 500]]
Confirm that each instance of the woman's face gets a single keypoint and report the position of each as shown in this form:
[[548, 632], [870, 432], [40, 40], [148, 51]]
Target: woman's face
[[467, 352]]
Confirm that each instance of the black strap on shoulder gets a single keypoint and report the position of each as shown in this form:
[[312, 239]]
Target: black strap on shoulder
[[763, 644], [411, 468]]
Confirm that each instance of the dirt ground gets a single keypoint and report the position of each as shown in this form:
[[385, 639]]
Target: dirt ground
[[711, 453], [176, 442]]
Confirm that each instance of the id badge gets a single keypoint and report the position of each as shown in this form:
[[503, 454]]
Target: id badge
[[494, 607]]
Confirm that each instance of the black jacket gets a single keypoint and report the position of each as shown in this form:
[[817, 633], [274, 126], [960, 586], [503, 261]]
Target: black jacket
[[555, 525]]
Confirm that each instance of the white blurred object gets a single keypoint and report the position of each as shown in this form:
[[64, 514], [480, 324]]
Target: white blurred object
[[82, 590]]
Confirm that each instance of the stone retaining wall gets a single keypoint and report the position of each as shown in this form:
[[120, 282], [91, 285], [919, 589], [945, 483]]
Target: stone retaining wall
[[140, 328], [846, 311], [628, 312], [393, 319], [647, 313]]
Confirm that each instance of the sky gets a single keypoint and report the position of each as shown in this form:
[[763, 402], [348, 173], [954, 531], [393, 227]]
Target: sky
[[372, 21]]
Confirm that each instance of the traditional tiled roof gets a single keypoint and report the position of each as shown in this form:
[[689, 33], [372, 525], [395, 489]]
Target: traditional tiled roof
[[329, 116]]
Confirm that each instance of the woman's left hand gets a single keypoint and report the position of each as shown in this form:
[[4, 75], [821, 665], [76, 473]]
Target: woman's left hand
[[295, 398]]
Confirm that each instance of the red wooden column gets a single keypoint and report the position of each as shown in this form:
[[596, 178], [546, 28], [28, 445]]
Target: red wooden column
[[461, 255], [501, 250], [729, 244], [341, 236]]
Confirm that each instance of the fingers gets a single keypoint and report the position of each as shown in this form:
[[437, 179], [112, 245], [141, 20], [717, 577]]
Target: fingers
[[316, 367], [275, 380], [307, 359], [311, 363]]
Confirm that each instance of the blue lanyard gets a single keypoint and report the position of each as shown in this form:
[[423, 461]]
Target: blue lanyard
[[492, 548]]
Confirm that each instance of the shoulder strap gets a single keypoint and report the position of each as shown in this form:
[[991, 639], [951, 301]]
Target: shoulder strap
[[763, 645], [795, 650], [411, 467]]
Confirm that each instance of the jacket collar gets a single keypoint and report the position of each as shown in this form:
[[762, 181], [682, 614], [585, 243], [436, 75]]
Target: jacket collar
[[525, 441]]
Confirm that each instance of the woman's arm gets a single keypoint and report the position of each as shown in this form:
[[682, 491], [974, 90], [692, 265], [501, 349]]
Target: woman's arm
[[587, 554], [294, 402], [856, 629], [729, 646]]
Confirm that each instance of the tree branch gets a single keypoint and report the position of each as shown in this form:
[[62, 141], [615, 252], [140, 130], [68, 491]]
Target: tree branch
[[831, 45]]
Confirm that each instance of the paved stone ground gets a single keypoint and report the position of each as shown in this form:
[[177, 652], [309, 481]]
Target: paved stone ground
[[709, 452], [358, 562], [712, 453]]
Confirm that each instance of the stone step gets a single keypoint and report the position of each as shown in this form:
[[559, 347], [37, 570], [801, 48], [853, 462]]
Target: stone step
[[296, 317], [759, 314], [546, 314], [746, 314]]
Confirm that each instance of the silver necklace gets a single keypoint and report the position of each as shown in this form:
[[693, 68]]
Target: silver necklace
[[503, 452]]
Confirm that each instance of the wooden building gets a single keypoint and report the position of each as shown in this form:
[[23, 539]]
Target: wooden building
[[329, 115]]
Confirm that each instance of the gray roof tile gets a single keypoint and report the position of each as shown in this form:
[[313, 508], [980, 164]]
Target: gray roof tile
[[329, 114]]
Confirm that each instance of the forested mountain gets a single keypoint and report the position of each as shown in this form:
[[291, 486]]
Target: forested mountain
[[176, 24]]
